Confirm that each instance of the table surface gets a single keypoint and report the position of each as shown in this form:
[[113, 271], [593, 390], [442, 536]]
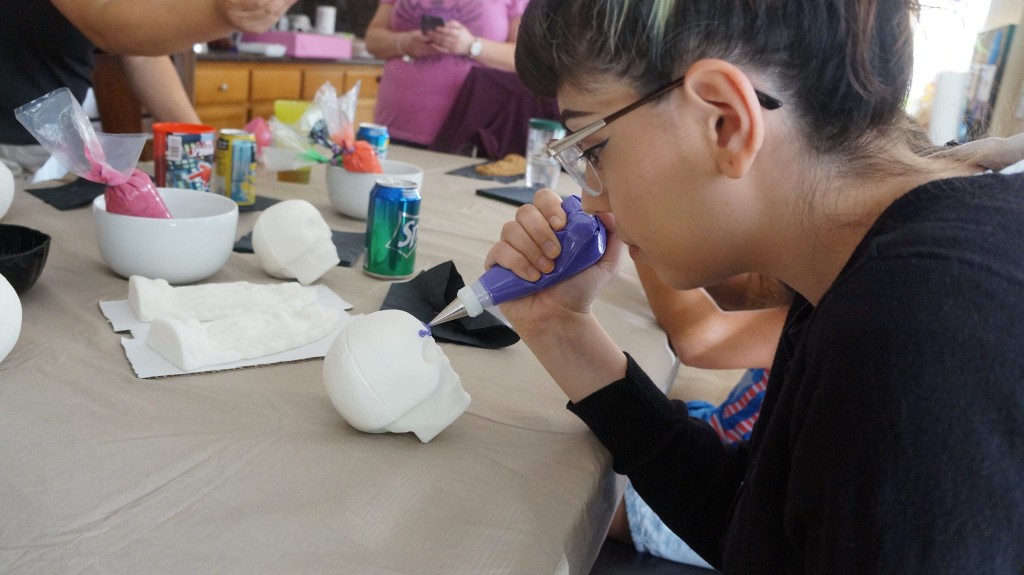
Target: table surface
[[253, 471]]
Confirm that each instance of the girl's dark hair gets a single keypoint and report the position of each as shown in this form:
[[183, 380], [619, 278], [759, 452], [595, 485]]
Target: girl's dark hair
[[842, 67]]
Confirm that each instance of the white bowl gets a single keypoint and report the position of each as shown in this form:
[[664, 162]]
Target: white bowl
[[349, 192], [191, 246]]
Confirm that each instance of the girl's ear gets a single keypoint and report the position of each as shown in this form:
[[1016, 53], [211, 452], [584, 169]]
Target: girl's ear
[[733, 115]]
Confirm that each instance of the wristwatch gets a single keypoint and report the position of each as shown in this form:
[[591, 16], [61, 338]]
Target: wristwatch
[[475, 48]]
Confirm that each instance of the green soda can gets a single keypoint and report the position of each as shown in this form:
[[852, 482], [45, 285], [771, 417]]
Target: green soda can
[[391, 222]]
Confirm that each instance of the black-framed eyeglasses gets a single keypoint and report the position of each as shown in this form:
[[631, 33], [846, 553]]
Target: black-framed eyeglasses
[[573, 158]]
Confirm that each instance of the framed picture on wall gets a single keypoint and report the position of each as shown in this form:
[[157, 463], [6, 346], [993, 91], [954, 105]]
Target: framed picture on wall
[[985, 75]]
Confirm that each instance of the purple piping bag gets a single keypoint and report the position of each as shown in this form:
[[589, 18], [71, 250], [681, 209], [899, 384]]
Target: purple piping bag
[[583, 241]]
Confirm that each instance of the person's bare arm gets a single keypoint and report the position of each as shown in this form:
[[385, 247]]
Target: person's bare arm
[[160, 27], [990, 153], [156, 84], [703, 335], [749, 291]]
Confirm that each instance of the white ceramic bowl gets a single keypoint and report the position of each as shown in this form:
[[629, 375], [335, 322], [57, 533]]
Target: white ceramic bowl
[[349, 192], [191, 246]]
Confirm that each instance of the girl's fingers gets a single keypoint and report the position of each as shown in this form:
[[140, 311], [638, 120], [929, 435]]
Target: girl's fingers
[[534, 237], [508, 257]]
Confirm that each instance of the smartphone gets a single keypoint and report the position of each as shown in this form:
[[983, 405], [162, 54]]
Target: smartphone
[[428, 23]]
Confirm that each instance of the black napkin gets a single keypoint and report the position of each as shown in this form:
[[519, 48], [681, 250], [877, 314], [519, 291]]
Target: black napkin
[[425, 295], [350, 246], [470, 172], [74, 194], [515, 195]]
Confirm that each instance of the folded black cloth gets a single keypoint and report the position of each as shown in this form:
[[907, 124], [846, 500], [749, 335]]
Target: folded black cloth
[[350, 246], [515, 195], [425, 295], [470, 172], [75, 194]]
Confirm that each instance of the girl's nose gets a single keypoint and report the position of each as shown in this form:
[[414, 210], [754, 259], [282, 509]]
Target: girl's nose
[[595, 205]]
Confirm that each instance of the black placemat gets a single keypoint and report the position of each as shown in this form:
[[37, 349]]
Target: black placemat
[[515, 195], [350, 246], [75, 194], [80, 192], [470, 172], [262, 203]]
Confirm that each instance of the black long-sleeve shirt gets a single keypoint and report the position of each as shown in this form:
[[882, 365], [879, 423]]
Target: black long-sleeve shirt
[[40, 51], [891, 439]]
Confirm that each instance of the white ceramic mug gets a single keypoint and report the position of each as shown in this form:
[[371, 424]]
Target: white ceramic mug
[[325, 19]]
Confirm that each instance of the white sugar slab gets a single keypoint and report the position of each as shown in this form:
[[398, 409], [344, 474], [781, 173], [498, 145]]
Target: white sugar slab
[[147, 363]]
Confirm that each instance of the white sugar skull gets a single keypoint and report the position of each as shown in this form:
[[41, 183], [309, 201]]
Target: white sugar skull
[[6, 188], [10, 317], [384, 372], [292, 240]]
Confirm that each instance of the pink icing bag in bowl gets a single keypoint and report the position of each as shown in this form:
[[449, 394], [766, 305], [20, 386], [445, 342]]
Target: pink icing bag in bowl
[[131, 195], [136, 196], [59, 124]]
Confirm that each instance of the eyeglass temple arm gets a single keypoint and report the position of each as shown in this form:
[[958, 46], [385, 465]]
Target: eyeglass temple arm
[[766, 101], [560, 146]]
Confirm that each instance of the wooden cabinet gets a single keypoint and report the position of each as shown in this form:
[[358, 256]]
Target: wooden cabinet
[[228, 94]]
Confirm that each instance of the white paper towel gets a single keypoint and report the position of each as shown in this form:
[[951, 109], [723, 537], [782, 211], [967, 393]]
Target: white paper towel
[[947, 106]]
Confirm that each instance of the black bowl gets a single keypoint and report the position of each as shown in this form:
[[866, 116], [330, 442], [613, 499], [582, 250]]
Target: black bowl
[[23, 254]]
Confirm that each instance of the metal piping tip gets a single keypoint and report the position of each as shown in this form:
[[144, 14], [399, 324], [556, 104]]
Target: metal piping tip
[[455, 310]]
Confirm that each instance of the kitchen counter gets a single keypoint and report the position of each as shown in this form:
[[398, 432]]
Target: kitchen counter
[[232, 88], [225, 56]]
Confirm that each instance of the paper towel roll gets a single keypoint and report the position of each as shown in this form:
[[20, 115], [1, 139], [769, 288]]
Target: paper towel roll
[[947, 106]]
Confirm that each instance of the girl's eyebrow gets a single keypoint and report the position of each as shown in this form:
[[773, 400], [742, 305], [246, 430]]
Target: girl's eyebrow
[[569, 114]]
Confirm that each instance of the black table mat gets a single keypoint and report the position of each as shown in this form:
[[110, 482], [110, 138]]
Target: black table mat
[[350, 246], [77, 193], [80, 192], [470, 172], [515, 195], [262, 203]]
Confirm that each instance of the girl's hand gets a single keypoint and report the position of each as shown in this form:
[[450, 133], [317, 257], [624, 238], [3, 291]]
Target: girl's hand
[[528, 247]]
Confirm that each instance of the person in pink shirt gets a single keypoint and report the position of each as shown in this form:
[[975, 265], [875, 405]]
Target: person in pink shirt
[[427, 65]]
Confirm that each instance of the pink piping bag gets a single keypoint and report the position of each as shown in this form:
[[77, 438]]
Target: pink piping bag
[[60, 124]]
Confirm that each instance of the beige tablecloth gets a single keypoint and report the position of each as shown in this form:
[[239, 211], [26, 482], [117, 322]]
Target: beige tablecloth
[[252, 470]]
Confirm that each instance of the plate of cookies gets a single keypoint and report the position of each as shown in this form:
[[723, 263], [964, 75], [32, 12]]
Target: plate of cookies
[[510, 168]]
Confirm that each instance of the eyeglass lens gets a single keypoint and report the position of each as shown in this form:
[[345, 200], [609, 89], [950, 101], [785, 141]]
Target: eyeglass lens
[[580, 170]]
